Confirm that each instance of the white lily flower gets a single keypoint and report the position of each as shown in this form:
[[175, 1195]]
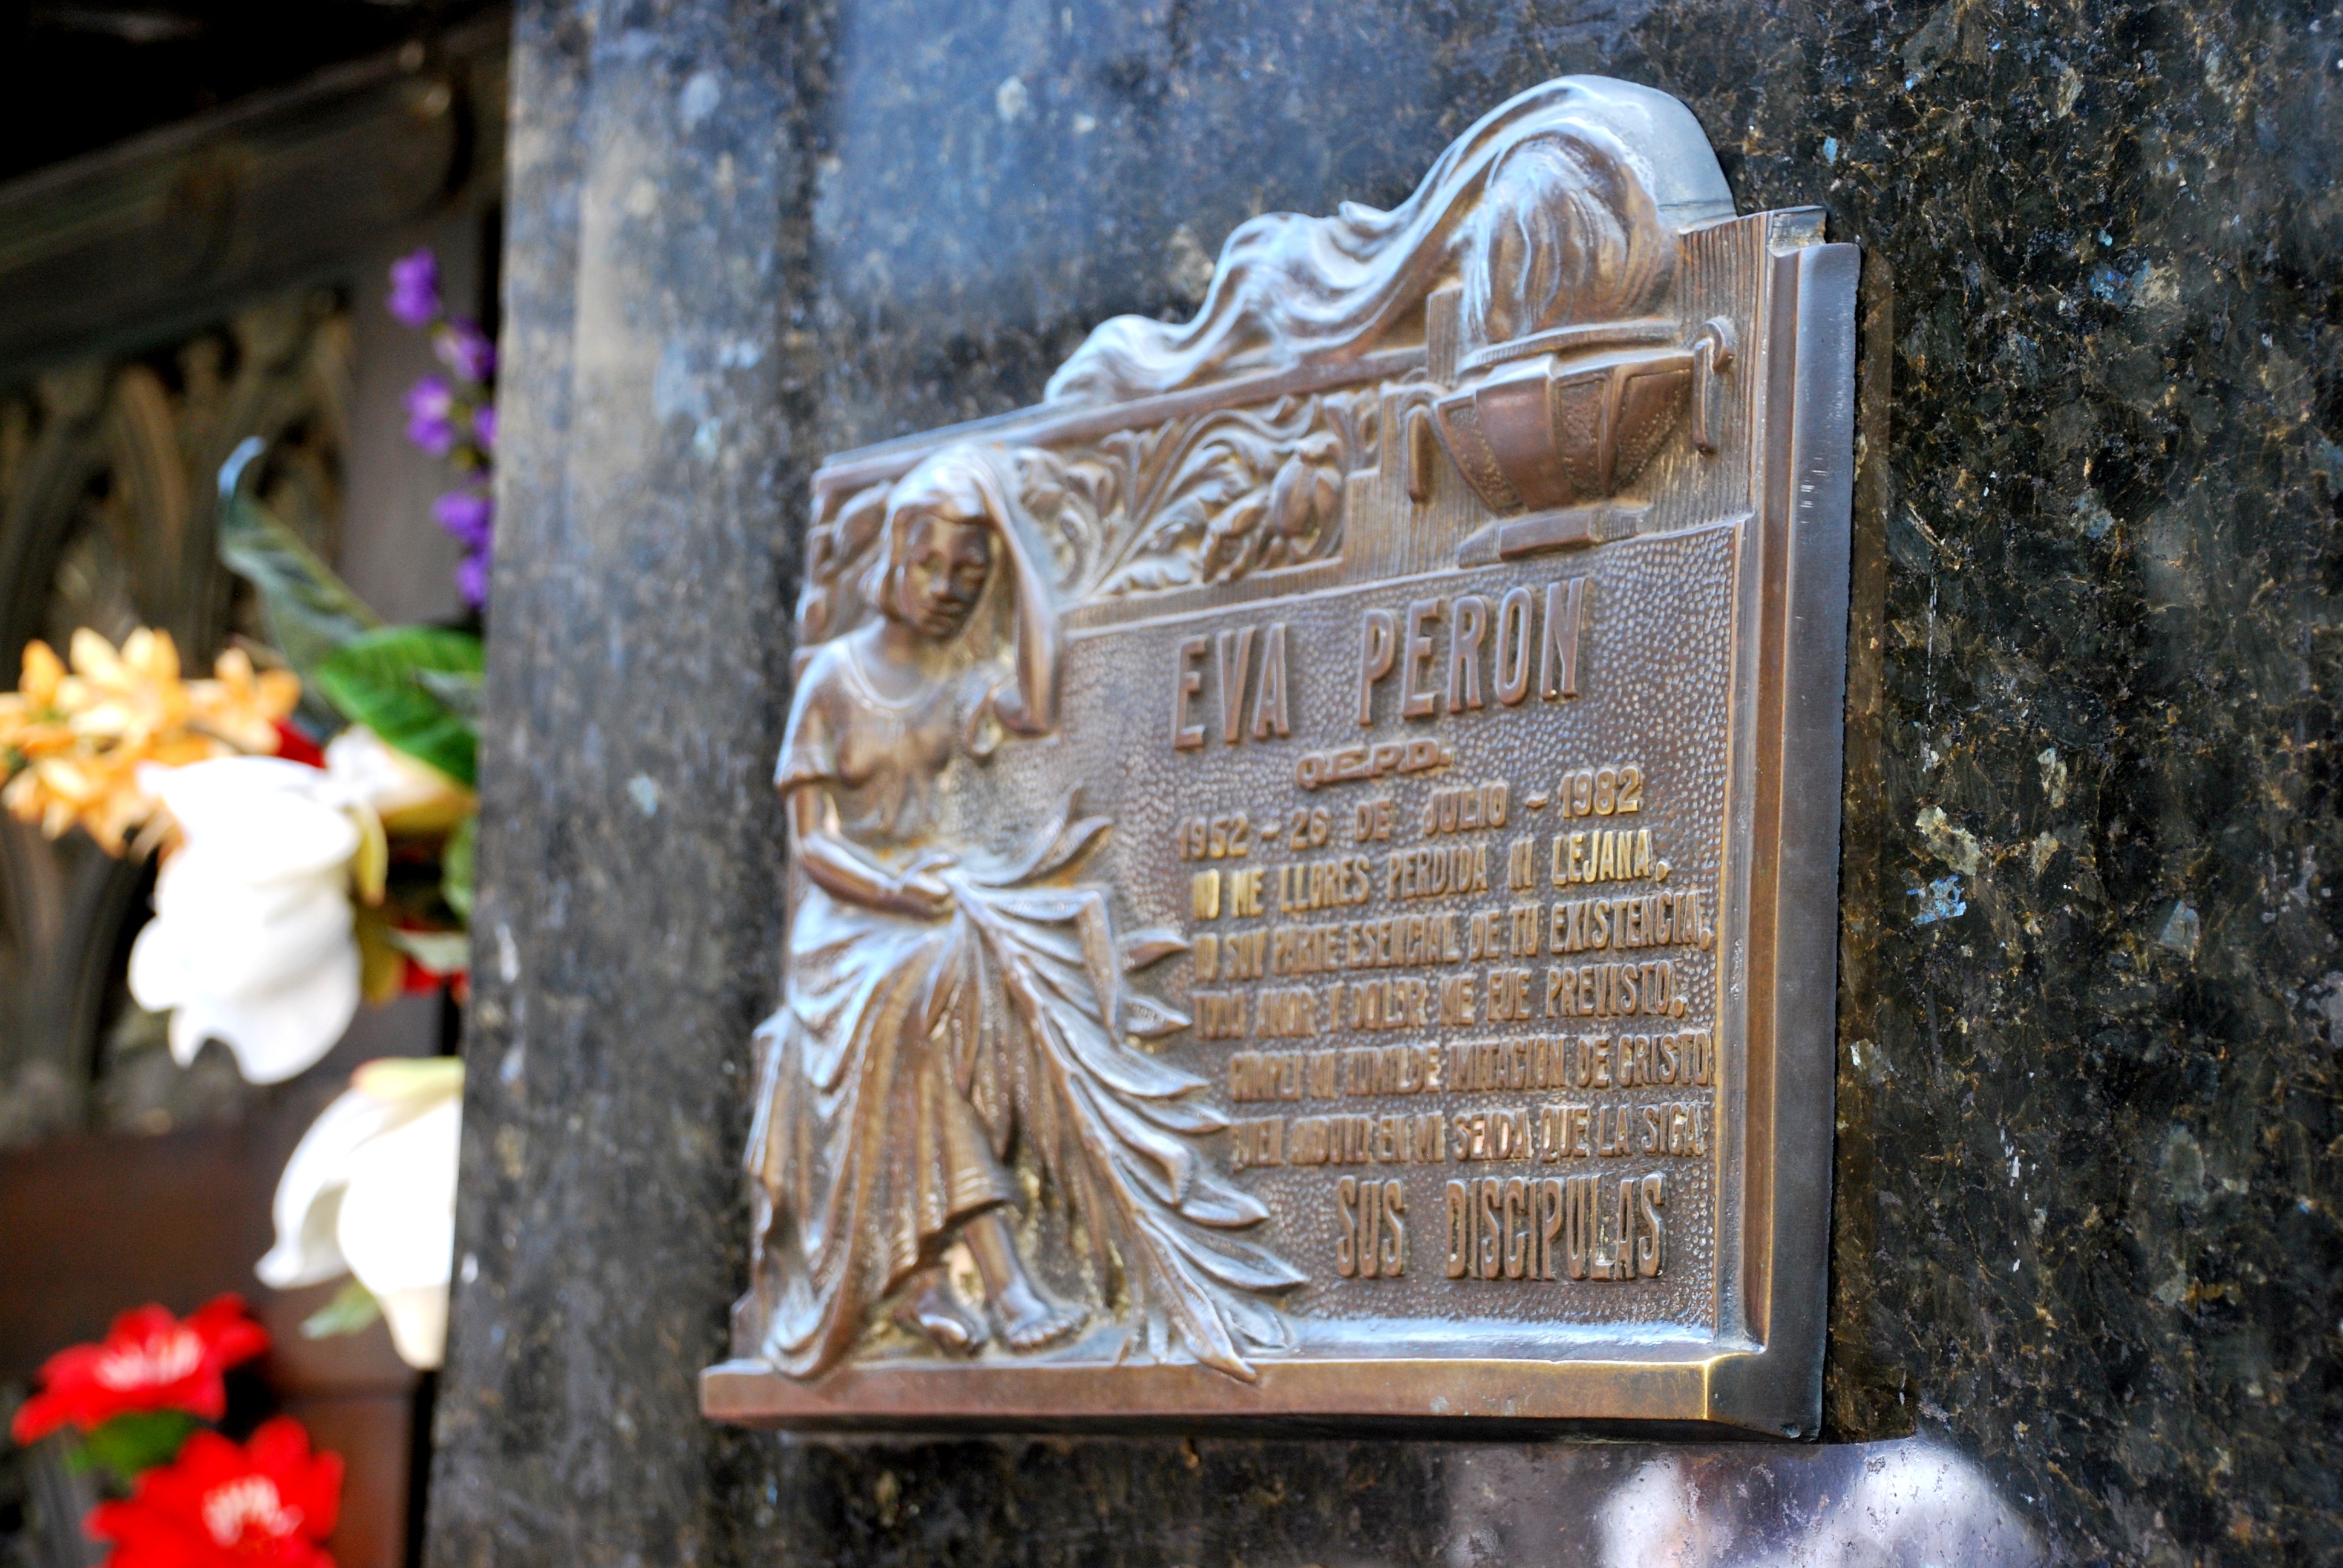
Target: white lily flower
[[371, 1191], [409, 795], [252, 941], [308, 1204]]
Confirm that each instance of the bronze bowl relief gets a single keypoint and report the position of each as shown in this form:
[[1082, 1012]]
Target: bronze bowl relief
[[1564, 419]]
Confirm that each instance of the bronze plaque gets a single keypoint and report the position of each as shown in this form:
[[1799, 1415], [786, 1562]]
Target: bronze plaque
[[1314, 850]]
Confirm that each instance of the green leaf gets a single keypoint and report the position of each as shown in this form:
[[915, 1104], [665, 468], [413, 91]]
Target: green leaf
[[133, 1442], [436, 953], [311, 612], [377, 680], [352, 1309], [457, 865], [459, 689]]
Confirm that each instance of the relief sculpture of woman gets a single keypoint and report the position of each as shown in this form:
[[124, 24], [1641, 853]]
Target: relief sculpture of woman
[[949, 1016]]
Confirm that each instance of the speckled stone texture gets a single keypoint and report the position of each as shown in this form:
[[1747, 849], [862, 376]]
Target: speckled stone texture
[[2086, 1176]]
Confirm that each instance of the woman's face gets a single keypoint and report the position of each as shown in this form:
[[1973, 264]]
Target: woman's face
[[945, 564]]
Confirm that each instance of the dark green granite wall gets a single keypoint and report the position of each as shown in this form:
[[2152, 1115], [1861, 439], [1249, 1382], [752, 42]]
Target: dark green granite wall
[[2087, 1216]]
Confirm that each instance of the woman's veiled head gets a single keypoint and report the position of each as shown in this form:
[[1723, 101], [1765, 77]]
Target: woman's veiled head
[[939, 549], [953, 524]]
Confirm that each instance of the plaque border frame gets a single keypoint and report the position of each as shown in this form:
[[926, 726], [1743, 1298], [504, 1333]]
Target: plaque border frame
[[1761, 1374]]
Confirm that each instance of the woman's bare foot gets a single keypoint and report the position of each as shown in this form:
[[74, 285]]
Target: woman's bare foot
[[1030, 1320], [938, 1314]]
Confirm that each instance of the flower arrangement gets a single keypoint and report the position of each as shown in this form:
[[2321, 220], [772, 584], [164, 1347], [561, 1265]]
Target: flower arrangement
[[185, 1495], [312, 807], [295, 880]]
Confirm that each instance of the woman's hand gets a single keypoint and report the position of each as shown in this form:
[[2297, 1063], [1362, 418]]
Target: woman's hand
[[845, 871], [918, 888]]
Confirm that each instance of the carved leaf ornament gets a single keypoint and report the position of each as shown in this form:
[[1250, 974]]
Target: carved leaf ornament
[[1113, 1127], [1207, 500]]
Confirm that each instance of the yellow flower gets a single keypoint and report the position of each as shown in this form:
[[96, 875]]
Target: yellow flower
[[126, 697], [42, 670], [75, 741], [241, 706], [97, 791], [31, 724]]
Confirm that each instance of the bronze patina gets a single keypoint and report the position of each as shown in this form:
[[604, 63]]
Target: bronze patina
[[1315, 848]]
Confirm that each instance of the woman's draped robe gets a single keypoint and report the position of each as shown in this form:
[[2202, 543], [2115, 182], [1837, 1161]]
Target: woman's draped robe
[[910, 1055]]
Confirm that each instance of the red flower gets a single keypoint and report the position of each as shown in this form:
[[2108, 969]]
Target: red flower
[[295, 746], [150, 1361], [266, 1504]]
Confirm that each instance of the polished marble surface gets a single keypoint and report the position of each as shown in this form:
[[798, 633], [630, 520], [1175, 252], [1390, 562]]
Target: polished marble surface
[[2086, 1241]]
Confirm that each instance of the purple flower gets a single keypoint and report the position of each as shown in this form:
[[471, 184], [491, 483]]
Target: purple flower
[[467, 515], [415, 289], [430, 416], [484, 427], [465, 349], [472, 579]]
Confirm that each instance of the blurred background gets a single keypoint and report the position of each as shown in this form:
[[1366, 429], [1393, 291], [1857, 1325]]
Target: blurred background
[[199, 202]]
